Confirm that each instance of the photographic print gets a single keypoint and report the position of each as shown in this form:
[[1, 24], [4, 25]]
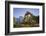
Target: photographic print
[[24, 17]]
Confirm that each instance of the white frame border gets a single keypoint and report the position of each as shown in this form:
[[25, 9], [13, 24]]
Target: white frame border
[[24, 28]]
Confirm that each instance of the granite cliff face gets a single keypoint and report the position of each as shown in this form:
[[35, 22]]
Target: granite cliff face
[[28, 17]]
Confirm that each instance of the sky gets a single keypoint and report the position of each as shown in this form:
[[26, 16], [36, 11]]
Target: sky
[[21, 11]]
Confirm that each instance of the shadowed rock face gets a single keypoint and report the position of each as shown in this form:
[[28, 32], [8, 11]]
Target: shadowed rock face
[[28, 18], [27, 13]]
